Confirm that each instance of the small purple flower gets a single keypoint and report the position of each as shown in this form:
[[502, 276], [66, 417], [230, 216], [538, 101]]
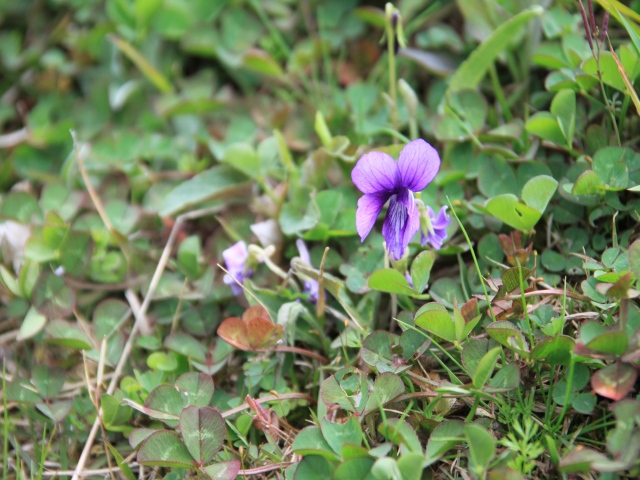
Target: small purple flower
[[381, 179], [436, 228], [310, 286], [235, 258]]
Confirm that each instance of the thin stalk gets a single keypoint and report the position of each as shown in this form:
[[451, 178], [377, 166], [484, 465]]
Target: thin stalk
[[475, 260], [497, 88], [391, 63]]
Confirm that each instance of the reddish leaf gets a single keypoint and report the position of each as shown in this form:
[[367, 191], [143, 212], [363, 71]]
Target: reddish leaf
[[251, 333], [614, 381]]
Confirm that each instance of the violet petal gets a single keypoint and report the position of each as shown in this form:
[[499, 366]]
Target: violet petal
[[369, 207], [376, 172], [419, 163]]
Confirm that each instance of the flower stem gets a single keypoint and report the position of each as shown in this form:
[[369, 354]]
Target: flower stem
[[391, 40]]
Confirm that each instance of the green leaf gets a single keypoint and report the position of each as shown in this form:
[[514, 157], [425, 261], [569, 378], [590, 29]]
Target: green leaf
[[211, 184], [165, 399], [67, 334], [48, 381], [189, 253], [506, 379], [482, 446], [314, 467], [608, 68], [485, 367], [444, 437], [244, 158], [472, 353], [353, 468], [125, 469], [613, 174], [515, 214], [164, 449], [588, 183], [203, 430], [546, 126], [386, 387], [52, 297], [563, 107], [186, 345], [612, 342], [511, 277], [584, 403], [32, 324], [261, 62], [380, 351], [435, 319], [474, 68], [634, 258], [338, 434], [113, 414], [507, 334], [537, 192], [399, 432], [421, 269], [390, 281], [410, 466], [496, 177], [348, 388], [149, 71], [310, 441], [197, 387]]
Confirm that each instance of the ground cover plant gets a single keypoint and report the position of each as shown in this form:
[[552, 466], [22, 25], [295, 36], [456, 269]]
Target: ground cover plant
[[319, 239]]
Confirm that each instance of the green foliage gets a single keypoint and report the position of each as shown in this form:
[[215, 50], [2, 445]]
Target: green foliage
[[511, 352]]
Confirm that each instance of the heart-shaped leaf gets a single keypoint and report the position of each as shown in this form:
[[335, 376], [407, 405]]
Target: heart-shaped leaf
[[203, 430], [253, 332], [164, 449], [614, 381], [227, 470], [198, 387]]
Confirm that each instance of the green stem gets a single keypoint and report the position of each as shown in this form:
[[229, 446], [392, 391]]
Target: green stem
[[497, 88], [391, 59], [475, 260]]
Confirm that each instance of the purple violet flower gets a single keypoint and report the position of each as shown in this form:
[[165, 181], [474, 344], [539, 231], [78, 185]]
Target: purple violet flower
[[381, 179], [310, 286], [235, 258], [436, 228]]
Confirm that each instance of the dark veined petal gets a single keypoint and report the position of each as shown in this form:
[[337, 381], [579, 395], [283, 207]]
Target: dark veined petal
[[376, 172], [401, 223], [419, 163], [442, 220], [369, 207], [439, 225]]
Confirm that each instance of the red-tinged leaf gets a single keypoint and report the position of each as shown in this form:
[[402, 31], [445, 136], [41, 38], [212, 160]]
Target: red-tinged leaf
[[234, 331], [256, 311], [164, 449], [203, 430], [262, 333], [251, 333], [227, 470], [614, 381]]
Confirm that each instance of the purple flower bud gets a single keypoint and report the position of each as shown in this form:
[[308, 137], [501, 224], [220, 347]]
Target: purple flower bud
[[235, 258], [436, 233], [586, 25], [310, 286], [380, 178], [592, 17], [605, 26]]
